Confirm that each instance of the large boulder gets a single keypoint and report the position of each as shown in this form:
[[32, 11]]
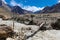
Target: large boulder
[[56, 25]]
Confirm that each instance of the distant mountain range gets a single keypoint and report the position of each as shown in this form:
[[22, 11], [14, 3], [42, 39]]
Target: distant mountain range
[[14, 9], [18, 10], [53, 9]]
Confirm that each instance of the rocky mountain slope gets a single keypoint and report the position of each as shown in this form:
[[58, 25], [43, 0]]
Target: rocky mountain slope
[[5, 10], [19, 10], [53, 9]]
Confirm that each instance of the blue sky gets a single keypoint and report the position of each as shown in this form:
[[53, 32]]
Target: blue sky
[[32, 5]]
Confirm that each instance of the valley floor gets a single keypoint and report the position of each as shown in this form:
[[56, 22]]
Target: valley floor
[[40, 35]]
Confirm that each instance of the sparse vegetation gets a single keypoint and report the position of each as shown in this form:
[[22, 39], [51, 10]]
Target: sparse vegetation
[[5, 32], [56, 25]]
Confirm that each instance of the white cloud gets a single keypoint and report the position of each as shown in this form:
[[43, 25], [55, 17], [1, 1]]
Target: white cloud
[[13, 3], [58, 1], [29, 8], [32, 8], [4, 1]]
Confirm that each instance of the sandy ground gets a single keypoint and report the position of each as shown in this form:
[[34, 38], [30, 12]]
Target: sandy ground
[[47, 35]]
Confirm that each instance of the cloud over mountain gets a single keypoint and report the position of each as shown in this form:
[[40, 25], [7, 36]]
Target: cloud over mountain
[[13, 3], [4, 1], [58, 1], [32, 8], [29, 8]]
